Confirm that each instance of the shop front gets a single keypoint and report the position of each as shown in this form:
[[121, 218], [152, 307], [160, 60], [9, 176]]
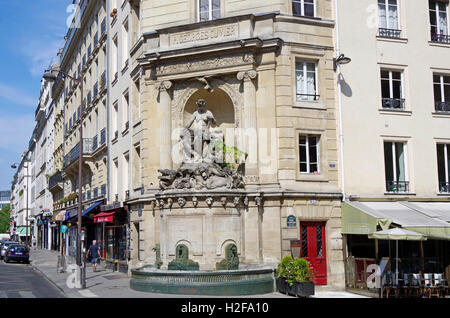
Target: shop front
[[114, 221], [361, 221]]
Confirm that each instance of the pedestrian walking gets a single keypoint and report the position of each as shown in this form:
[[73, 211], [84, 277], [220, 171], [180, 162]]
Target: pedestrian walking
[[94, 250]]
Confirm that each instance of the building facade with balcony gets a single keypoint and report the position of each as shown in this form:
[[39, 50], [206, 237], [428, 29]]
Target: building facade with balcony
[[81, 99], [260, 66], [395, 127]]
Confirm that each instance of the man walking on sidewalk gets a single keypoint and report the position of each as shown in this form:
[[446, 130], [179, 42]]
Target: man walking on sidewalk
[[94, 250]]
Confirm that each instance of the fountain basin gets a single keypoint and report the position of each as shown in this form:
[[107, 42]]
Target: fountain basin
[[248, 281]]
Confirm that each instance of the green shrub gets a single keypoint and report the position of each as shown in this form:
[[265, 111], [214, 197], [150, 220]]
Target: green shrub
[[294, 270]]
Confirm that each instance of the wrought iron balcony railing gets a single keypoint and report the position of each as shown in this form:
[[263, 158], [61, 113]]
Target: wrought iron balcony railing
[[440, 38], [397, 186], [307, 97], [393, 103], [389, 33], [74, 153], [55, 179], [444, 187], [442, 106]]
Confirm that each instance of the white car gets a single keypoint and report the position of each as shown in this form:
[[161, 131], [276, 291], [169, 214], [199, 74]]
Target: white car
[[4, 247]]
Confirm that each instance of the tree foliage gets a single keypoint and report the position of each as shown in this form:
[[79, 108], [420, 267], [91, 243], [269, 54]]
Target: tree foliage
[[4, 219]]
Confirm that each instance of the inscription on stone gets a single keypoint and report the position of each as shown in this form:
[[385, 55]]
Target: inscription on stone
[[204, 35]]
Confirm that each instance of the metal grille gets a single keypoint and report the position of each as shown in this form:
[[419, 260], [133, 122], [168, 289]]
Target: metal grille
[[319, 240], [304, 241]]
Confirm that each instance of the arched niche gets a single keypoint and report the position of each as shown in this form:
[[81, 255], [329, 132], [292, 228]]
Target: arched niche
[[218, 102]]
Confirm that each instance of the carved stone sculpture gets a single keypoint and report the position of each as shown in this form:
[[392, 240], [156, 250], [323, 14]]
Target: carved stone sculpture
[[158, 261], [182, 261], [231, 261]]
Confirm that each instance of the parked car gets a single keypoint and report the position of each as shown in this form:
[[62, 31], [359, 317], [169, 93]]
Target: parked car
[[18, 253], [4, 247]]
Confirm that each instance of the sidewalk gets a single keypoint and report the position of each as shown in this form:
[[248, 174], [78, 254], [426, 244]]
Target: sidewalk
[[105, 283]]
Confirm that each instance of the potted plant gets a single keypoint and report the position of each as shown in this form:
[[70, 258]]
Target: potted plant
[[294, 277]]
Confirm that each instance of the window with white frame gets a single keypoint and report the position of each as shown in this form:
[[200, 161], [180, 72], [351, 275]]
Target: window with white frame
[[305, 8], [306, 78], [441, 85], [309, 153], [388, 11], [443, 161], [439, 23], [208, 10], [395, 167], [392, 94]]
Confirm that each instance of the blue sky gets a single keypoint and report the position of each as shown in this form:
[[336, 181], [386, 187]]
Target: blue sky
[[31, 32]]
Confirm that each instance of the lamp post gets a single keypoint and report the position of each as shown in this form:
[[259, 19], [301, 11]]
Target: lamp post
[[51, 76], [13, 166]]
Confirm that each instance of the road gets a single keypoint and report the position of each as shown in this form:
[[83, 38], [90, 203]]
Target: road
[[22, 281]]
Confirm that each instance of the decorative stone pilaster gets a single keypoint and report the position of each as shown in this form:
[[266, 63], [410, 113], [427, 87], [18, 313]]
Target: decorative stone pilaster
[[250, 126], [164, 112]]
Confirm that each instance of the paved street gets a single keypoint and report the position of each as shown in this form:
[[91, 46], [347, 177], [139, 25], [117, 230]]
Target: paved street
[[22, 281]]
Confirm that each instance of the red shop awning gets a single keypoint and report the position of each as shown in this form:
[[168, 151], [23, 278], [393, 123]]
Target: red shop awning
[[104, 217]]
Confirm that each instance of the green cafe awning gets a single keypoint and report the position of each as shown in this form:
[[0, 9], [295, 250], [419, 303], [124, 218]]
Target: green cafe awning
[[361, 217], [22, 231]]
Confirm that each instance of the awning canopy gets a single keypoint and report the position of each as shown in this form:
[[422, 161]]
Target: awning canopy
[[364, 217], [59, 216], [104, 217], [74, 212], [22, 231]]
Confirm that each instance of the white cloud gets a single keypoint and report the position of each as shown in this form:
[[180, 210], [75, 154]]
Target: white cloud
[[16, 96]]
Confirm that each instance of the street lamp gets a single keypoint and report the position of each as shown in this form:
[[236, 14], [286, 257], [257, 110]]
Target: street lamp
[[341, 60], [13, 166], [50, 76]]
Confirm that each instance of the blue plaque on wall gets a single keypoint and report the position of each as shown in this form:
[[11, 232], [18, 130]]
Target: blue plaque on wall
[[291, 220]]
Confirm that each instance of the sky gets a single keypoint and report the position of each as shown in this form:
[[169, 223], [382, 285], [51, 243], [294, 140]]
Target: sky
[[31, 32]]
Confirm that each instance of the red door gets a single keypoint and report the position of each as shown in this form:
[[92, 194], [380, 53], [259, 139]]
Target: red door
[[312, 237]]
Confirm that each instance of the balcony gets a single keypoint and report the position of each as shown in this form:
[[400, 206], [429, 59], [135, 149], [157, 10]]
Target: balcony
[[389, 33], [397, 186], [440, 38], [442, 106], [74, 153], [40, 111], [393, 103], [444, 187], [55, 182]]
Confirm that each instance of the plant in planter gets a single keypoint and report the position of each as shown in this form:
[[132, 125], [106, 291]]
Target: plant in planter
[[295, 277]]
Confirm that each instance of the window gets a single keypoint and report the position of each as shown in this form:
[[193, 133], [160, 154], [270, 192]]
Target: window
[[441, 84], [309, 154], [114, 176], [306, 77], [389, 18], [392, 90], [395, 167], [125, 45], [115, 120], [439, 21], [305, 8], [137, 166], [443, 161], [115, 53], [208, 10], [125, 111]]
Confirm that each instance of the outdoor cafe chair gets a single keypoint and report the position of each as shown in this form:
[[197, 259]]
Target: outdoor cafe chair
[[415, 286], [430, 287], [440, 282], [389, 286]]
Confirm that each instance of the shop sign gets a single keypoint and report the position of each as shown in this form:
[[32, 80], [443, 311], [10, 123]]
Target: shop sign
[[47, 212], [64, 228], [112, 206], [295, 248], [291, 221]]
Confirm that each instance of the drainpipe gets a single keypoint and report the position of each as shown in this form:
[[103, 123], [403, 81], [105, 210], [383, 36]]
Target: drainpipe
[[341, 134]]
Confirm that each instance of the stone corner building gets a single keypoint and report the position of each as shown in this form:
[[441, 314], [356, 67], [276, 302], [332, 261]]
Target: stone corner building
[[261, 66]]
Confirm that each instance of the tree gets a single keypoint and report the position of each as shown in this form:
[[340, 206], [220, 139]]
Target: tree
[[4, 219]]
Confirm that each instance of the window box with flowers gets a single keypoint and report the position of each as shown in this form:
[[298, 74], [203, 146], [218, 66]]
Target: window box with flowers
[[294, 277]]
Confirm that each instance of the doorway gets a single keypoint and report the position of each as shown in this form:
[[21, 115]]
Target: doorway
[[313, 249]]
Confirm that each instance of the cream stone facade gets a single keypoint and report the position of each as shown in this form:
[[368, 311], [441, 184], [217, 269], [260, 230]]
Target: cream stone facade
[[367, 124], [246, 65]]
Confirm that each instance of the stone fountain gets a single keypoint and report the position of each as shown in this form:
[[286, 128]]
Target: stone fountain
[[202, 206]]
